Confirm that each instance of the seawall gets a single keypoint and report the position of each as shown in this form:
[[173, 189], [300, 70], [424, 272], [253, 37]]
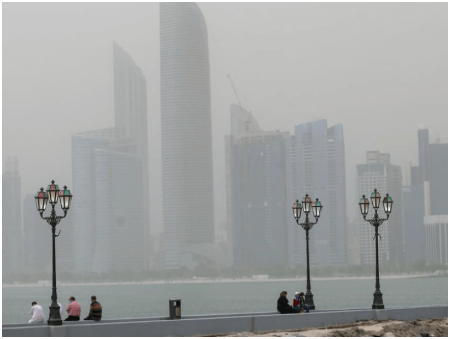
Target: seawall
[[219, 323]]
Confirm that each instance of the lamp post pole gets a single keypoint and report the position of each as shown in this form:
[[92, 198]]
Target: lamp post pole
[[53, 194], [376, 222], [316, 207]]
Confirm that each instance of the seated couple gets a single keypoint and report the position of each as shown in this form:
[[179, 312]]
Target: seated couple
[[298, 303]]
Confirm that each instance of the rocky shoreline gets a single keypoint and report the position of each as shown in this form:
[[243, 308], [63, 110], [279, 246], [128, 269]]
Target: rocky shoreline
[[435, 327]]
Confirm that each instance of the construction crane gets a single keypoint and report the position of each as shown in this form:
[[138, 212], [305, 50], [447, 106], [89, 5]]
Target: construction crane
[[247, 122]]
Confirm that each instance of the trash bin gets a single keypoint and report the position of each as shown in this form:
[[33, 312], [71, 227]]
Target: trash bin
[[175, 308]]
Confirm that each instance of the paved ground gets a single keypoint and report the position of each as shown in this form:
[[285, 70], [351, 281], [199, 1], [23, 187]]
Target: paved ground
[[371, 328]]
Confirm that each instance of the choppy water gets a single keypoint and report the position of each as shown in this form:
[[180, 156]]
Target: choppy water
[[129, 301]]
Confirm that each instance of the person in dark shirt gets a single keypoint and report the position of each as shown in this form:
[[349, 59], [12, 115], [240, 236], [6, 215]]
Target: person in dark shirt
[[95, 311], [283, 305]]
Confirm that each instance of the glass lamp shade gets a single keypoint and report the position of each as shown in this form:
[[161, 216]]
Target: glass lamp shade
[[376, 198], [387, 204], [297, 209], [364, 205], [306, 203], [317, 208], [41, 199], [53, 192], [65, 197]]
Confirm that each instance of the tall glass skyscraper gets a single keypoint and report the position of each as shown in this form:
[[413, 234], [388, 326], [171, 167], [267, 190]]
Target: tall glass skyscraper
[[110, 180], [256, 192], [187, 164], [379, 173], [319, 170]]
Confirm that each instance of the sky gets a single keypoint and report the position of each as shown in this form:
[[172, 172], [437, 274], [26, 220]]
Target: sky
[[380, 69]]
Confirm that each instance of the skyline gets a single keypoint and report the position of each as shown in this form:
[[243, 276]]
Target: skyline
[[84, 98]]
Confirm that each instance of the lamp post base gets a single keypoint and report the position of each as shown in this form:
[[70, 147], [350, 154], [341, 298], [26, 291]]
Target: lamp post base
[[55, 317], [378, 301], [310, 301]]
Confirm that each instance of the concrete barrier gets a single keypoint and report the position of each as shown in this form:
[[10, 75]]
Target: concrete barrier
[[219, 323]]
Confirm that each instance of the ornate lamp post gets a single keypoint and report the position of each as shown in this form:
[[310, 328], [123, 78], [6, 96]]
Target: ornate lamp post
[[376, 222], [42, 198], [316, 208]]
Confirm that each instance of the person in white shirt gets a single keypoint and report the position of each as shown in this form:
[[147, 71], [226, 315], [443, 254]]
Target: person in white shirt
[[61, 310], [37, 313]]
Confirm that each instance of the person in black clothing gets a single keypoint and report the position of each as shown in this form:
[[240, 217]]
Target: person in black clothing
[[283, 305]]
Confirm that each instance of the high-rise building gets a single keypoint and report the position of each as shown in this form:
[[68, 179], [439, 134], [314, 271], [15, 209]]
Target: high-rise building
[[438, 178], [413, 220], [11, 218], [435, 190], [379, 173], [256, 192], [436, 229], [426, 201], [423, 153], [319, 170], [37, 233], [37, 238], [110, 180], [187, 164]]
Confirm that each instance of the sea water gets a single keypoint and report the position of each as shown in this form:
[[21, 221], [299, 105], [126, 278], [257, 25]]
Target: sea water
[[150, 300]]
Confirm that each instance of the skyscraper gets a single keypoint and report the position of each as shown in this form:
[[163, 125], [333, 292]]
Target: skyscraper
[[379, 173], [37, 239], [319, 170], [413, 214], [110, 179], [438, 177], [256, 186], [11, 218], [187, 165], [426, 202], [436, 229]]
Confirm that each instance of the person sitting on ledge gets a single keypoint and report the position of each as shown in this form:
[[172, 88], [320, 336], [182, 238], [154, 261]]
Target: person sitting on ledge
[[95, 312], [74, 310], [283, 305], [37, 313], [299, 302]]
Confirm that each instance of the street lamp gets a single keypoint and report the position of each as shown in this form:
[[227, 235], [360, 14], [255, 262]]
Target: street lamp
[[316, 208], [376, 222], [52, 195]]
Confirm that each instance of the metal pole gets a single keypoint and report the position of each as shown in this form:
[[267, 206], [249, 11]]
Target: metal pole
[[377, 296], [308, 296], [54, 318]]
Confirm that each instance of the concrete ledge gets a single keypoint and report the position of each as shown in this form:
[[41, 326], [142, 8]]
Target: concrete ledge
[[219, 323]]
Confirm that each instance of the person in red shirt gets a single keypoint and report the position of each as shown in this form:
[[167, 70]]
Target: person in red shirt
[[298, 301], [295, 302]]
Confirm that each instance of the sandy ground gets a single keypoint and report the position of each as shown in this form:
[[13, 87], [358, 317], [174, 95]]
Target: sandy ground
[[371, 328]]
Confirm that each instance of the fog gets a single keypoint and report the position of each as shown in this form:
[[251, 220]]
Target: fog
[[379, 69]]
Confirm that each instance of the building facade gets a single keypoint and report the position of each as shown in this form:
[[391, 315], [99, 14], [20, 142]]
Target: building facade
[[186, 135], [37, 238], [379, 173], [110, 179], [318, 161], [436, 228], [256, 192], [426, 198]]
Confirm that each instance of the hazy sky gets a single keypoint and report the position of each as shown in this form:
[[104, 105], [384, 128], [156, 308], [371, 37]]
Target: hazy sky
[[377, 68]]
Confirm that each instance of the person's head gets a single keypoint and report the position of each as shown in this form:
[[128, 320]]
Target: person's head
[[33, 303], [301, 295], [71, 298], [93, 298], [283, 294]]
